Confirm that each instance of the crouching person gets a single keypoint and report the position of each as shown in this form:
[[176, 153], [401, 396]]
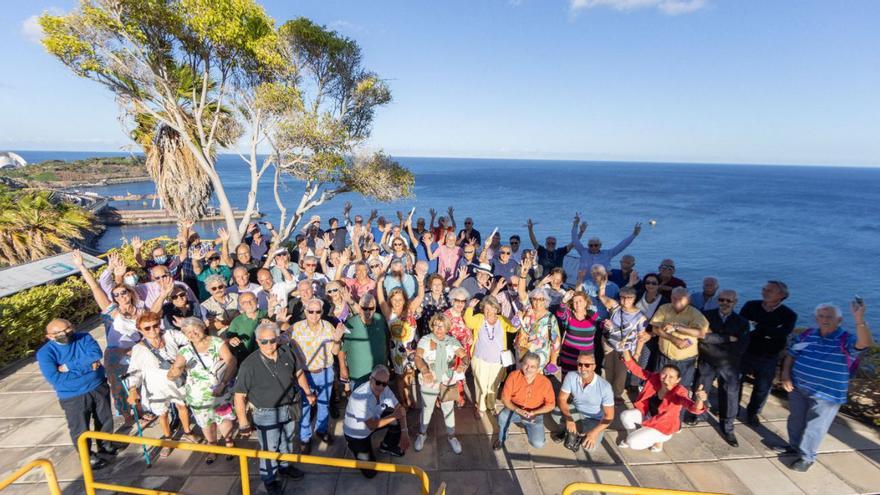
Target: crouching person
[[527, 396], [592, 406]]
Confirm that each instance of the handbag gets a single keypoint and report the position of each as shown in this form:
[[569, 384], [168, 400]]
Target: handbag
[[506, 358], [449, 391]]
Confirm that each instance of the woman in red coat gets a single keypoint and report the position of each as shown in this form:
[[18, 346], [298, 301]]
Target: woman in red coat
[[658, 407]]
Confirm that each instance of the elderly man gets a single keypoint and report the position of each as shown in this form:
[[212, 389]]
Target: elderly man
[[593, 402], [622, 276], [397, 277], [593, 253], [158, 257], [148, 292], [268, 379], [71, 363], [296, 306], [241, 281], [549, 256], [707, 299], [527, 395], [592, 286], [257, 242], [679, 326], [666, 276], [240, 335], [772, 323], [245, 259], [816, 375], [469, 232], [504, 265], [277, 291], [318, 341], [309, 272], [221, 308], [216, 266], [365, 345], [720, 353], [371, 408]]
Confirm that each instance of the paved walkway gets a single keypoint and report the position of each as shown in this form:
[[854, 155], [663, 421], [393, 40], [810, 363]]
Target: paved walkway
[[32, 425]]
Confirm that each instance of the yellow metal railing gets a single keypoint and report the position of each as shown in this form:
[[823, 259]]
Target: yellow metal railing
[[48, 469], [572, 488], [243, 455]]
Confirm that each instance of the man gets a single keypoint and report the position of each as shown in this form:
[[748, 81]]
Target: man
[[372, 407], [816, 375], [477, 285], [504, 265], [666, 276], [221, 308], [278, 291], [244, 258], [772, 322], [296, 306], [309, 272], [241, 281], [549, 256], [679, 326], [268, 379], [318, 341], [591, 286], [621, 276], [337, 233], [720, 353], [397, 277], [148, 292], [593, 402], [527, 396], [158, 257], [593, 253], [240, 335], [707, 299], [257, 242], [365, 346], [71, 363], [468, 259], [468, 233]]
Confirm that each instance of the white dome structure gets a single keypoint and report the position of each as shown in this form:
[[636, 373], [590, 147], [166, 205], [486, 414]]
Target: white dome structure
[[9, 159]]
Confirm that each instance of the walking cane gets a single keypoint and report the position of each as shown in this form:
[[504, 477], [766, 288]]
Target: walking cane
[[137, 420]]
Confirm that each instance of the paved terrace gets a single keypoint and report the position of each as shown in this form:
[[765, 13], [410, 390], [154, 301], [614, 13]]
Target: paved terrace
[[32, 425]]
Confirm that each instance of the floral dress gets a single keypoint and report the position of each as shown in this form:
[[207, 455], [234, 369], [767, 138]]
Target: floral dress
[[431, 307], [403, 342], [460, 331], [540, 336], [200, 382]]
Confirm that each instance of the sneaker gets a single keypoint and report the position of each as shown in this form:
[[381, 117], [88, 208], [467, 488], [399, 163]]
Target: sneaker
[[455, 444], [691, 420], [326, 437], [96, 462], [656, 448], [108, 449], [800, 465], [292, 472], [497, 445], [622, 444], [306, 448], [558, 437], [274, 488], [784, 449], [392, 451], [419, 444]]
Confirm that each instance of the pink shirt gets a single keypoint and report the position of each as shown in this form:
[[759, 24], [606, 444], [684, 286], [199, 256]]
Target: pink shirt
[[447, 261]]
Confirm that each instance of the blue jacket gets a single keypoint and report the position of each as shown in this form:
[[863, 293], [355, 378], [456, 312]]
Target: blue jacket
[[78, 355]]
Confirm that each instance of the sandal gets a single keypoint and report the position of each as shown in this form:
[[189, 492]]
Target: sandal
[[165, 451], [211, 457], [147, 419], [230, 443], [189, 436]]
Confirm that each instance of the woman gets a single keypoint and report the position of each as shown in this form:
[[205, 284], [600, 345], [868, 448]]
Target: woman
[[489, 334], [552, 283], [658, 407], [578, 323], [123, 309], [361, 283], [401, 316], [447, 255], [435, 358], [151, 358], [339, 308], [458, 329], [175, 306], [622, 329], [434, 302], [648, 304], [209, 367], [539, 332]]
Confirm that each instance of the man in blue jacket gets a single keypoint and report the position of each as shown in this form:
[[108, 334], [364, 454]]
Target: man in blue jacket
[[71, 362]]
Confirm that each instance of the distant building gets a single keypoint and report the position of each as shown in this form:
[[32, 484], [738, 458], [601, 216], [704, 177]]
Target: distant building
[[9, 159]]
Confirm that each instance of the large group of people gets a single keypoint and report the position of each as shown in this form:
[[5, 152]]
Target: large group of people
[[370, 318]]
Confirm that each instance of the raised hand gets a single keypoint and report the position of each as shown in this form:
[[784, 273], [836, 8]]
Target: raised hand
[[272, 301], [433, 213], [633, 277], [577, 218], [338, 332], [473, 303], [136, 244], [166, 285], [462, 272], [77, 258], [530, 224], [223, 234], [346, 208], [281, 315], [374, 214], [328, 239], [450, 211], [637, 229], [857, 307], [582, 228], [400, 216], [269, 226]]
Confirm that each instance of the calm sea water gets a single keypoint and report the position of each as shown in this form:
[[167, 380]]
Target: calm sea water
[[814, 227]]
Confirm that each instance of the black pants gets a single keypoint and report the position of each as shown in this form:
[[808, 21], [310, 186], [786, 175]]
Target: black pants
[[362, 448], [80, 411], [728, 390]]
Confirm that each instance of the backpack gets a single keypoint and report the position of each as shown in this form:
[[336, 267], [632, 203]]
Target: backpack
[[852, 365]]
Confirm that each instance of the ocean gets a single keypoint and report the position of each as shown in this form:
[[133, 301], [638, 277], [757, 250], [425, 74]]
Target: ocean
[[816, 228]]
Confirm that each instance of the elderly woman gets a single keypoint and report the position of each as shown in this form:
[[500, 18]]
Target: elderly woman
[[656, 416], [435, 301], [552, 283], [209, 367], [340, 310], [401, 315], [123, 308], [448, 254], [578, 323], [435, 358], [151, 358], [175, 306], [622, 329], [361, 283], [489, 334], [539, 332], [458, 298]]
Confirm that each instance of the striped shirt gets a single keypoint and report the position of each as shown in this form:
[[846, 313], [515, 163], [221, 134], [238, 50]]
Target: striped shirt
[[820, 365], [577, 337]]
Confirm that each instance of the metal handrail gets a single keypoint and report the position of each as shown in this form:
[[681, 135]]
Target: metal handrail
[[242, 454], [48, 469], [627, 490]]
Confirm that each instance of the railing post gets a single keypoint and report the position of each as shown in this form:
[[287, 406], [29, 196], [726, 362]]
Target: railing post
[[245, 478], [88, 477]]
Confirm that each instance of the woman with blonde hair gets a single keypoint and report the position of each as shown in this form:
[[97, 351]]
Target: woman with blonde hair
[[490, 331], [401, 315]]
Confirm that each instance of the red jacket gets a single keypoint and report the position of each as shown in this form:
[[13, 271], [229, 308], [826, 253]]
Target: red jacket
[[667, 419]]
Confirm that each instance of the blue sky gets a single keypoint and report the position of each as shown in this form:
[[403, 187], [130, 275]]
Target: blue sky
[[737, 81]]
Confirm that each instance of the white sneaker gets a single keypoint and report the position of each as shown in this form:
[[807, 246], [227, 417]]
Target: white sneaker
[[622, 444], [419, 444], [455, 444], [655, 448]]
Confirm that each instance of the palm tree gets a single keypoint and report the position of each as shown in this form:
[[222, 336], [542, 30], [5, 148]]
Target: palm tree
[[33, 226]]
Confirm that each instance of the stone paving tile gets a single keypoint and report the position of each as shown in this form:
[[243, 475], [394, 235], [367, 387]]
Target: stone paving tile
[[761, 476], [854, 469], [313, 484], [636, 457], [460, 482], [552, 455], [873, 456], [686, 446], [553, 480], [713, 477], [830, 443], [354, 483], [711, 439], [24, 382], [604, 454], [471, 446], [513, 482], [855, 435], [514, 455], [37, 431], [30, 405], [197, 485], [819, 480], [667, 476]]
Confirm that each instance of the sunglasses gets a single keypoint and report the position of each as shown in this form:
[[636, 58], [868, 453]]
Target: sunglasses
[[310, 264], [593, 245], [667, 267], [150, 327], [469, 223], [586, 365], [504, 252], [217, 287], [397, 244], [368, 308], [725, 300], [459, 300], [379, 382], [314, 312], [515, 242], [267, 341], [331, 291], [374, 250], [179, 295], [121, 293]]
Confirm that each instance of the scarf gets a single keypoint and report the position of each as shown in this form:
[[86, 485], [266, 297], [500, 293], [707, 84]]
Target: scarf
[[441, 368]]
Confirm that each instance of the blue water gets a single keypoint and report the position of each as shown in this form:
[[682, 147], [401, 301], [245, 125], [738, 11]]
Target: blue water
[[814, 227]]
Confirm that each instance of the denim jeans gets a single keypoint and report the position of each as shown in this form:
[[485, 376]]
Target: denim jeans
[[583, 423], [321, 384], [534, 427], [276, 429], [728, 391], [362, 448], [764, 370], [808, 422]]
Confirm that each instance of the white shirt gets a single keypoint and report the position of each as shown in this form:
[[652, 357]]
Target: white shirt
[[362, 405]]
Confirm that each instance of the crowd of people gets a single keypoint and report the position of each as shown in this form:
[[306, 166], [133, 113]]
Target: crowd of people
[[370, 318]]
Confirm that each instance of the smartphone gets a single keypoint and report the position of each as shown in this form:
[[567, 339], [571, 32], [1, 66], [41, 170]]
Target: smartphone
[[859, 300]]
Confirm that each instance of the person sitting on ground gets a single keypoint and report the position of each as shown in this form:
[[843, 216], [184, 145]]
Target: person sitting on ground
[[816, 374], [593, 254], [706, 299], [593, 403], [656, 416], [527, 396], [371, 408]]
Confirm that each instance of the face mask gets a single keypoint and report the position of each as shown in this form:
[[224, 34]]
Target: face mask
[[130, 280], [63, 338], [160, 260]]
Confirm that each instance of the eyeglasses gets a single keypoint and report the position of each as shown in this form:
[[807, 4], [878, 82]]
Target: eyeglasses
[[459, 300], [267, 341], [593, 245], [314, 311], [368, 308], [121, 293], [667, 267], [469, 223], [331, 291], [150, 327], [374, 250], [164, 275], [725, 300], [504, 252], [377, 265], [180, 295], [311, 264], [468, 252], [217, 287], [586, 365], [379, 382]]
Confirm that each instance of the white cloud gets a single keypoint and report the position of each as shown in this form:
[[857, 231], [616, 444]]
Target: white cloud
[[31, 29], [346, 27], [670, 7]]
